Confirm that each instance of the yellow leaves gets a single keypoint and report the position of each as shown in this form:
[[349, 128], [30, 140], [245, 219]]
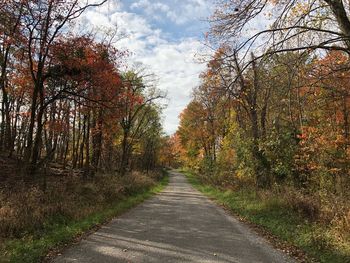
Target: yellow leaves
[[268, 15], [300, 9], [240, 174], [340, 139], [335, 170], [313, 166], [275, 2]]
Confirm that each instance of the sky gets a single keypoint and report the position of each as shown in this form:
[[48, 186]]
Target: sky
[[164, 36]]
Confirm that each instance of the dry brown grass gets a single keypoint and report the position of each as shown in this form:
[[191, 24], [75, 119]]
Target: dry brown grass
[[327, 209], [26, 208]]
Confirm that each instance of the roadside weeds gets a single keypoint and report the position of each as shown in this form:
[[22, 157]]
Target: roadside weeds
[[286, 230]]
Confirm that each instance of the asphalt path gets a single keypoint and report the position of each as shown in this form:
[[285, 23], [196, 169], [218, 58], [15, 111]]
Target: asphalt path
[[178, 225]]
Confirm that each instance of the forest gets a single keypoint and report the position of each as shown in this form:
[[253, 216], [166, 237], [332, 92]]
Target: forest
[[270, 117], [266, 133], [79, 127]]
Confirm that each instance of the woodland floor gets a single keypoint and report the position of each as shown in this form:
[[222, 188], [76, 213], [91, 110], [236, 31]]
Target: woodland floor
[[178, 225]]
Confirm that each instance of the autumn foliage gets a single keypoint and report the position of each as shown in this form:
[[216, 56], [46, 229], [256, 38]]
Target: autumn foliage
[[64, 97], [80, 129], [282, 127]]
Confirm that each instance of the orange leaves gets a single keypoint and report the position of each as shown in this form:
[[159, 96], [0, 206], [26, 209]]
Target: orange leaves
[[326, 87], [56, 126], [321, 150], [332, 70], [172, 153], [300, 9], [302, 136], [90, 65]]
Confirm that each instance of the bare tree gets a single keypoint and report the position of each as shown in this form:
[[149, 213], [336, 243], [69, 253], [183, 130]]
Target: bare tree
[[293, 25]]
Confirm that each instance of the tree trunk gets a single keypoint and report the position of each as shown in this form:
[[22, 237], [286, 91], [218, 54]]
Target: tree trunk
[[38, 138], [87, 148], [339, 12], [97, 140], [29, 145], [125, 153]]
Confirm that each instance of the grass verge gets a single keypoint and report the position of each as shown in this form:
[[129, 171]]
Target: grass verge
[[60, 232], [316, 240]]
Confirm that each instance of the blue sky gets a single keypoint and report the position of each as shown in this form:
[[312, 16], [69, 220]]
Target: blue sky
[[177, 18], [164, 36]]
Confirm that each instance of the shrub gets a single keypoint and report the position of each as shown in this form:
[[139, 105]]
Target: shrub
[[136, 182], [26, 208]]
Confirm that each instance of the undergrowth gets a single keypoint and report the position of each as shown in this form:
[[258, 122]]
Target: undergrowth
[[34, 222], [274, 213]]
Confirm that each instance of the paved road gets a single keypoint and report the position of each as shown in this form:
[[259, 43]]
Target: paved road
[[178, 225]]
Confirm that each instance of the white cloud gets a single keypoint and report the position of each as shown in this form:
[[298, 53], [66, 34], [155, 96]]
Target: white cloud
[[154, 6], [150, 8], [174, 64], [171, 61], [179, 12], [110, 7], [188, 10], [97, 18]]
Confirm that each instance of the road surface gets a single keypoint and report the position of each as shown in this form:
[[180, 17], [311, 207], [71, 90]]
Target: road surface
[[178, 225]]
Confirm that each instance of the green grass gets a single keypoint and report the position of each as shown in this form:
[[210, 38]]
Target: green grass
[[60, 231], [273, 215]]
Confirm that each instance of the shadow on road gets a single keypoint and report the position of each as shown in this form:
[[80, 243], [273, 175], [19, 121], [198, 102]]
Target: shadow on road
[[178, 225]]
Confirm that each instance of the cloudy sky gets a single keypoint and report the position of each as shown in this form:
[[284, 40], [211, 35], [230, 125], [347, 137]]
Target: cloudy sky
[[165, 36]]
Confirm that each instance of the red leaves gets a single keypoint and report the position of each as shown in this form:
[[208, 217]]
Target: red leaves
[[56, 126], [91, 66]]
